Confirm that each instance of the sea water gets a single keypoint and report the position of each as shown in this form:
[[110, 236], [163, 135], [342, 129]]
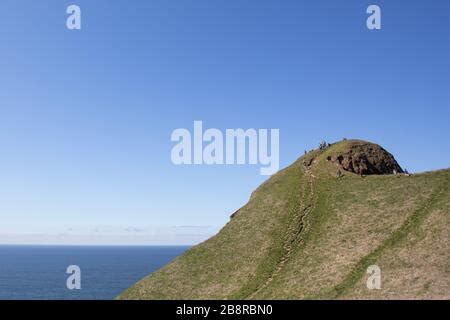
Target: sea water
[[39, 272]]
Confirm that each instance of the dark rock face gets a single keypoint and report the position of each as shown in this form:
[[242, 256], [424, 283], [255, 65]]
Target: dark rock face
[[234, 214], [366, 158]]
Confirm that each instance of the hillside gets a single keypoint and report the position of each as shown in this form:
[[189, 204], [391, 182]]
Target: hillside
[[311, 231]]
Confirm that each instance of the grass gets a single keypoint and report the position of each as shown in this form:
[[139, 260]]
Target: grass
[[412, 223], [306, 234]]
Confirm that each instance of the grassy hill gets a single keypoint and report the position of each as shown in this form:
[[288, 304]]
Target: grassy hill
[[311, 231]]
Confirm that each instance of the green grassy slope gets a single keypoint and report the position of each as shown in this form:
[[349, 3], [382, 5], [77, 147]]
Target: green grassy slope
[[307, 234]]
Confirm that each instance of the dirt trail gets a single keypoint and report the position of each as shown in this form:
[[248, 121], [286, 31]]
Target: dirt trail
[[295, 228]]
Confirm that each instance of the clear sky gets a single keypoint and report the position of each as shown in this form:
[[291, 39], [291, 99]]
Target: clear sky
[[86, 115]]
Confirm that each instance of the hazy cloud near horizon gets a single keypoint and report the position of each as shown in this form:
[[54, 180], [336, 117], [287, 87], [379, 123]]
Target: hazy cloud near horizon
[[111, 235]]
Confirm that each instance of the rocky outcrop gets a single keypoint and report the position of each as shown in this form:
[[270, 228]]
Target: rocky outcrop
[[366, 158]]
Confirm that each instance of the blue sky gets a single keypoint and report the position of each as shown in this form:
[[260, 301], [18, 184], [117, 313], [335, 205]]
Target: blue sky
[[86, 116]]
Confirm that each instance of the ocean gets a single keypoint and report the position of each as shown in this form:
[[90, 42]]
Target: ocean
[[39, 272]]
